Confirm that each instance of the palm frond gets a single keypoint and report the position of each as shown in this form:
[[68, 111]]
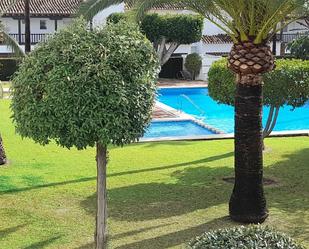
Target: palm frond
[[242, 19], [10, 42], [89, 8]]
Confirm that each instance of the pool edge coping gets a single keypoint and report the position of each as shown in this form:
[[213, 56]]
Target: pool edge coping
[[297, 133]]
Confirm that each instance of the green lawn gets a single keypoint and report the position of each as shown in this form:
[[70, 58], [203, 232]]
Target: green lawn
[[160, 194]]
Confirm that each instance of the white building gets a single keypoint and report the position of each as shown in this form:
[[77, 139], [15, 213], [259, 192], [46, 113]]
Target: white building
[[49, 16]]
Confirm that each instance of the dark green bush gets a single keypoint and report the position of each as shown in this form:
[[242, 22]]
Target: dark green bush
[[80, 88], [183, 29], [287, 84], [300, 48], [252, 237], [8, 66], [193, 64]]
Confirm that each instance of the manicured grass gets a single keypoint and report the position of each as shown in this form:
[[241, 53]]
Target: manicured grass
[[160, 194]]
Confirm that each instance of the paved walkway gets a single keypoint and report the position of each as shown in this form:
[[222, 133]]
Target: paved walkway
[[160, 113]]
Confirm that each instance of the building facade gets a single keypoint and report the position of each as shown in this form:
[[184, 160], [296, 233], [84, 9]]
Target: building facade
[[49, 16]]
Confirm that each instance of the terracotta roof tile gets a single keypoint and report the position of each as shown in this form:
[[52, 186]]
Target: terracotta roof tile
[[217, 39], [41, 7]]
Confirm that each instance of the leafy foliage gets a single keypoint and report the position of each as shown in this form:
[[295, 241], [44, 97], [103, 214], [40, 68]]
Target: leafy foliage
[[288, 84], [183, 29], [193, 64], [253, 237], [78, 87], [8, 67], [300, 48]]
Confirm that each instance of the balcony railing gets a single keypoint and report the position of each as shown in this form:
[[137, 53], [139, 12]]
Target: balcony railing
[[287, 38], [35, 38]]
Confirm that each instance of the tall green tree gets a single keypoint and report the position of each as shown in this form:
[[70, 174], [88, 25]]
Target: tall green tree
[[251, 24], [167, 32]]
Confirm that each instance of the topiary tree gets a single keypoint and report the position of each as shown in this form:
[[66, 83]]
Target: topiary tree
[[78, 89], [193, 64], [288, 84], [253, 237], [300, 48], [167, 32]]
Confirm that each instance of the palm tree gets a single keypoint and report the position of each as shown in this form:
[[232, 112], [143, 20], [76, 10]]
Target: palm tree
[[251, 24]]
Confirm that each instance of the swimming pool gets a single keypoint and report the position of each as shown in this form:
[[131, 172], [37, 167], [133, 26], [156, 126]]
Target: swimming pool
[[196, 102], [172, 129]]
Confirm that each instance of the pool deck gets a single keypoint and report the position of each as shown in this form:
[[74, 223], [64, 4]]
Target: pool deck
[[171, 83]]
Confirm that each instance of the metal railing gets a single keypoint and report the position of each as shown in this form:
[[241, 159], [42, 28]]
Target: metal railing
[[35, 38], [287, 38]]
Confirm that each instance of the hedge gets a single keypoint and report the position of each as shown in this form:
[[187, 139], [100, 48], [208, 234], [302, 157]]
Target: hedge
[[253, 237], [8, 66]]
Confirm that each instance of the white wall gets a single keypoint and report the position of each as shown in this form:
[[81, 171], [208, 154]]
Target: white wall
[[11, 25], [100, 18]]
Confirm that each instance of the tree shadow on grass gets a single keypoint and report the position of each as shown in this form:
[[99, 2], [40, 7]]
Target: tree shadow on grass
[[8, 231], [195, 188], [292, 193], [11, 189], [43, 244], [179, 237], [290, 197]]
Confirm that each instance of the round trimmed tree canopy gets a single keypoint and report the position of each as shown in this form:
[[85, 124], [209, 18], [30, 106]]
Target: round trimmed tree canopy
[[81, 87]]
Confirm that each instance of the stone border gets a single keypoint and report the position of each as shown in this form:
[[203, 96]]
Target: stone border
[[303, 133]]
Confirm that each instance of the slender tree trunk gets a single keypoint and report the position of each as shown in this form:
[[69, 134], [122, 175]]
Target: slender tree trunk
[[27, 27], [101, 218], [2, 153], [247, 202]]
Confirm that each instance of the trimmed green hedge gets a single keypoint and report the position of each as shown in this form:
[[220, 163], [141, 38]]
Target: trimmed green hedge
[[8, 66], [288, 84], [252, 237]]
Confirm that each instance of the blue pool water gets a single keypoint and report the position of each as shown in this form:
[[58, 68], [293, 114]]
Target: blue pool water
[[196, 101], [175, 129]]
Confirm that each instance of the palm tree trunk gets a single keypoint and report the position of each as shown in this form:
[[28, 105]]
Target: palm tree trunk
[[249, 61], [27, 27], [247, 202], [2, 153], [101, 219]]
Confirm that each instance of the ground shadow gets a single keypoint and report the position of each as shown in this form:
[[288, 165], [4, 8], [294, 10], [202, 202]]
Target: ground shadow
[[173, 239], [8, 231], [292, 192], [195, 188], [43, 244], [11, 189]]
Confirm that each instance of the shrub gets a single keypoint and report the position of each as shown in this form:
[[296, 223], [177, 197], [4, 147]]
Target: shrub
[[288, 84], [8, 67], [193, 64], [252, 237], [300, 48]]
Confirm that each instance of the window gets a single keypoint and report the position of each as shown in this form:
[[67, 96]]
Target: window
[[43, 24]]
